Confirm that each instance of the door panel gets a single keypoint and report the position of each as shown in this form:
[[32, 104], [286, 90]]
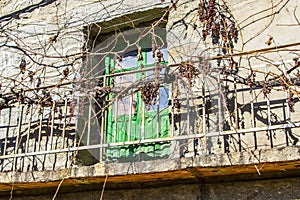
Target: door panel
[[128, 119]]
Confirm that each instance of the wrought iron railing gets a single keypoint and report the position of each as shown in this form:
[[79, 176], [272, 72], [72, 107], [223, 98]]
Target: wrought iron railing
[[183, 120]]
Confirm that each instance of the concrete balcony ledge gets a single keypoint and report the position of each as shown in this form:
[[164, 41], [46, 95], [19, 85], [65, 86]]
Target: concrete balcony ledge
[[259, 164]]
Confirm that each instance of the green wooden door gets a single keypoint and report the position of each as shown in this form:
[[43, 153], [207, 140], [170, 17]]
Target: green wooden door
[[128, 119]]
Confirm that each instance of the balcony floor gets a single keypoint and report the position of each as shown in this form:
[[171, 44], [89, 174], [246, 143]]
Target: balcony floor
[[236, 166]]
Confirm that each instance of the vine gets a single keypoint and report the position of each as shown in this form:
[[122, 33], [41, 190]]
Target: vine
[[217, 22]]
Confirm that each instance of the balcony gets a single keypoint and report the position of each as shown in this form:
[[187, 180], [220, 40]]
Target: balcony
[[203, 129], [113, 124]]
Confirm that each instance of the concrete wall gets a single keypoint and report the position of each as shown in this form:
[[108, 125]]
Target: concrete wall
[[256, 21], [55, 35], [268, 189]]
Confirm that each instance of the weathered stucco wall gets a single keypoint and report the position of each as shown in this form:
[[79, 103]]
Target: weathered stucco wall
[[276, 189], [257, 22], [55, 36], [212, 173]]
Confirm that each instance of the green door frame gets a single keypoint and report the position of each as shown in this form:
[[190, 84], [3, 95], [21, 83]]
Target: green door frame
[[140, 122]]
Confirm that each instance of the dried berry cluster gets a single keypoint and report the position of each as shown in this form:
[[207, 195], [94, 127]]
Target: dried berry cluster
[[296, 62], [284, 82], [149, 93], [266, 89], [45, 99], [188, 71], [290, 102], [218, 23]]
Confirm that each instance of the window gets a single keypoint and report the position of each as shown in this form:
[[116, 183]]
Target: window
[[129, 61]]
